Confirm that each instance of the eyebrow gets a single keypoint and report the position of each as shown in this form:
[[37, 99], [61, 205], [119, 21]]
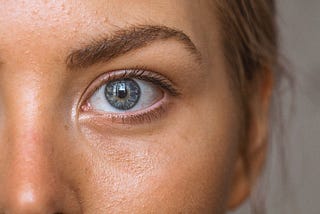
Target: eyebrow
[[126, 40]]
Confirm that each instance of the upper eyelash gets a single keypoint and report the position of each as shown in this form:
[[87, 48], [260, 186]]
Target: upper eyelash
[[153, 77], [141, 74]]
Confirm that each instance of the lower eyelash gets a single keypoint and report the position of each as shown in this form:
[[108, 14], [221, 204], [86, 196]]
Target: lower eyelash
[[145, 117], [131, 118]]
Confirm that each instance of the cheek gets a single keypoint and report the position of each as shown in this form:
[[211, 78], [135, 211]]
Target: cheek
[[184, 164]]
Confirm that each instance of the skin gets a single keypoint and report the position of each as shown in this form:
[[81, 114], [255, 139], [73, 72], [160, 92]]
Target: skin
[[55, 158]]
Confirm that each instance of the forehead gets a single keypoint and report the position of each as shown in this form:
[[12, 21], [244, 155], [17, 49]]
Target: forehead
[[60, 22]]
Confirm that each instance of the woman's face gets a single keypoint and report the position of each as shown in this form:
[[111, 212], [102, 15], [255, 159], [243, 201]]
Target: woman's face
[[115, 107]]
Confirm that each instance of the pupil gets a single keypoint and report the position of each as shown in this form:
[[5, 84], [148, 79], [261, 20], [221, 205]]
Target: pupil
[[121, 90]]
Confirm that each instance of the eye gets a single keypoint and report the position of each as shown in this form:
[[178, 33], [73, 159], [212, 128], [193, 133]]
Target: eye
[[125, 95], [132, 96]]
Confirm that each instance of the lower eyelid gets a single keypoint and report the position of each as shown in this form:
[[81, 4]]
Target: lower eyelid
[[131, 118]]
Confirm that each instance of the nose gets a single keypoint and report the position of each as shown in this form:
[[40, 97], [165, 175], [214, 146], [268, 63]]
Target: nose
[[30, 181], [31, 175]]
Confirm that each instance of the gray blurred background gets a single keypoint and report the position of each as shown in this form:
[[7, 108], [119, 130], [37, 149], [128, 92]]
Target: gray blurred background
[[299, 22]]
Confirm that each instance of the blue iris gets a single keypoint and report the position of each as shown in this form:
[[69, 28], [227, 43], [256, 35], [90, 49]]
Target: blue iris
[[123, 94]]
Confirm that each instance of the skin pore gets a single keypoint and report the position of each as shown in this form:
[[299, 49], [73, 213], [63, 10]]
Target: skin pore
[[177, 154]]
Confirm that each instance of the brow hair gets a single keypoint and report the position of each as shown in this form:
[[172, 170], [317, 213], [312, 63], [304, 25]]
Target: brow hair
[[123, 41]]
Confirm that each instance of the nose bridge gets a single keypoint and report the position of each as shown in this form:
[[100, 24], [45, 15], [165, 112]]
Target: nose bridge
[[29, 181], [27, 103], [26, 118]]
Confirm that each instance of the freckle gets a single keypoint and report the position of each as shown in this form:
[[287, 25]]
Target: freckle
[[66, 127], [35, 12], [87, 171], [105, 20]]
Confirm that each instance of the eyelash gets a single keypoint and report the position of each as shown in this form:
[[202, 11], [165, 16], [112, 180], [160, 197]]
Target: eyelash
[[145, 116]]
